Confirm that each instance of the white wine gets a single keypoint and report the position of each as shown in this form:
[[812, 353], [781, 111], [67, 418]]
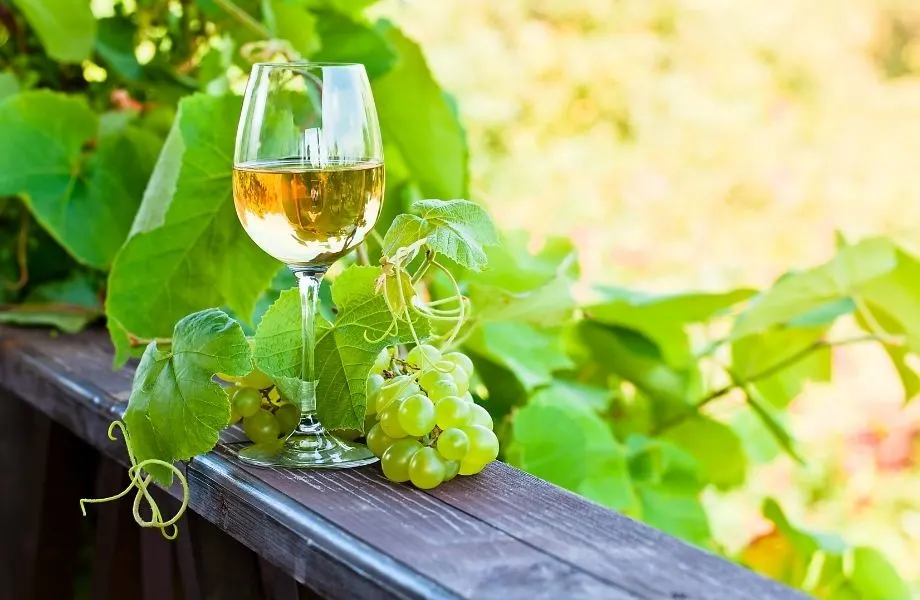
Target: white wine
[[303, 215]]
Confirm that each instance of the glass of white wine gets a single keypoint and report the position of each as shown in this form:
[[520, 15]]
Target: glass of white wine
[[308, 186]]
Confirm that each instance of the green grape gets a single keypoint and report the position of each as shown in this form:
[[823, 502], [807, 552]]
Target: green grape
[[453, 444], [234, 416], [261, 427], [416, 415], [442, 388], [431, 376], [389, 421], [451, 468], [397, 388], [423, 356], [381, 362], [483, 445], [426, 469], [461, 360], [247, 401], [480, 416], [395, 459], [378, 441], [288, 417], [462, 379], [451, 411], [257, 379], [468, 397], [374, 384], [471, 467]]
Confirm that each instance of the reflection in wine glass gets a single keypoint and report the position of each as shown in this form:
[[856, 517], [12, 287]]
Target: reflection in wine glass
[[308, 184]]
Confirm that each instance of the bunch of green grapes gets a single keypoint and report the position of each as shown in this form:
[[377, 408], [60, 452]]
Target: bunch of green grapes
[[266, 414], [428, 428]]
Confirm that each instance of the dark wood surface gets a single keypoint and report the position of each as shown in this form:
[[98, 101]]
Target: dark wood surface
[[352, 534]]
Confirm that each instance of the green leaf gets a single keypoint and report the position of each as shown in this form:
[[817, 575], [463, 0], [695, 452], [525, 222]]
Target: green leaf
[[520, 286], [716, 448], [874, 578], [755, 354], [663, 319], [531, 354], [667, 485], [760, 445], [345, 350], [897, 293], [910, 381], [798, 293], [68, 305], [458, 229], [288, 21], [9, 85], [773, 422], [416, 117], [187, 250], [345, 40], [571, 447], [351, 6], [175, 410], [66, 28], [116, 44], [631, 356], [70, 191]]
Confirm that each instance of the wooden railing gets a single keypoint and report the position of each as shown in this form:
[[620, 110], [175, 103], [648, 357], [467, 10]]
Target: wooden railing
[[268, 533]]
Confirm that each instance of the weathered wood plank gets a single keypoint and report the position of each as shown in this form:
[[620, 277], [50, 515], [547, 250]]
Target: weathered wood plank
[[352, 534]]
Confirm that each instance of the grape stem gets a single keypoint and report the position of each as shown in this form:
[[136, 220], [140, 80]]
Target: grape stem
[[168, 528], [739, 383]]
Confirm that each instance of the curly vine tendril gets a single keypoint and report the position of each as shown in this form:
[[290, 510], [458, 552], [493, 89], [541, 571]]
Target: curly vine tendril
[[142, 482]]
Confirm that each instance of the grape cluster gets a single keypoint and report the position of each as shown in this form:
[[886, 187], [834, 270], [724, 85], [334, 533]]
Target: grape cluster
[[428, 428], [266, 415]]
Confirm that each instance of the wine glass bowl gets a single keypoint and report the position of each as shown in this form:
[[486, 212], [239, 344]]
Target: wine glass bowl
[[308, 184]]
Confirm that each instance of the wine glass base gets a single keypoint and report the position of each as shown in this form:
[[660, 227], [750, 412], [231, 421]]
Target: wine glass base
[[308, 451]]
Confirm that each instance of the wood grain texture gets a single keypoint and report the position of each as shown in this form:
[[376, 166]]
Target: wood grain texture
[[352, 534]]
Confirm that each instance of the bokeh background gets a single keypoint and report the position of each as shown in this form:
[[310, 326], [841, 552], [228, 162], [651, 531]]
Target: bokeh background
[[703, 144]]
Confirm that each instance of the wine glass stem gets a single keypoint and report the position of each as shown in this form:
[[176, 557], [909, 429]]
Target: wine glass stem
[[308, 280]]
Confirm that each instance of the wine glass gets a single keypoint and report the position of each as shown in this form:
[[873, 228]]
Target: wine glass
[[308, 186]]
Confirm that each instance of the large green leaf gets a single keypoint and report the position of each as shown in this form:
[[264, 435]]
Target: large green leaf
[[175, 410], [897, 293], [531, 354], [287, 20], [9, 85], [66, 28], [69, 305], [754, 355], [116, 45], [897, 353], [458, 229], [716, 448], [187, 249], [70, 190], [663, 319], [346, 40], [345, 350], [798, 293], [571, 447], [416, 117]]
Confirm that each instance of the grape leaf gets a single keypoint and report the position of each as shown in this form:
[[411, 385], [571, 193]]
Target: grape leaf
[[66, 28], [910, 381], [44, 153], [175, 410], [9, 85], [798, 293], [345, 349], [663, 319], [754, 354], [115, 44], [773, 422], [897, 293], [187, 249], [69, 305], [288, 21], [571, 447], [874, 578], [345, 40], [531, 354], [458, 229], [716, 448], [416, 117]]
